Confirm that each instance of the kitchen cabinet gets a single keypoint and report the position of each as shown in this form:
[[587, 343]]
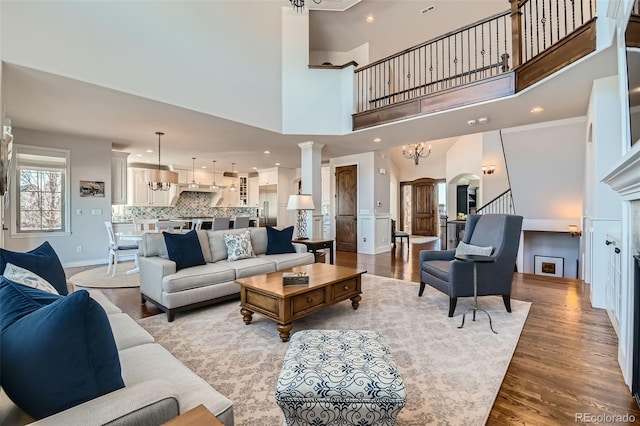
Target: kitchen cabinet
[[202, 177], [119, 177], [253, 197], [243, 188], [230, 198], [139, 194], [268, 177]]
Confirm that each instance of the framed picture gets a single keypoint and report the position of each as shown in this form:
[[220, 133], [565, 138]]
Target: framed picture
[[549, 266], [91, 188]]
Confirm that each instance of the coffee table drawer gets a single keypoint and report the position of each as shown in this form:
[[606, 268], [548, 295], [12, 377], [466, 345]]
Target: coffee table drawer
[[308, 300], [344, 288]]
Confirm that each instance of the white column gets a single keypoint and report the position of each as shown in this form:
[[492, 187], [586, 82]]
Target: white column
[[311, 178]]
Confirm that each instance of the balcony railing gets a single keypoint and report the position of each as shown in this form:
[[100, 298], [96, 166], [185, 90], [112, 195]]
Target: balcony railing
[[484, 49]]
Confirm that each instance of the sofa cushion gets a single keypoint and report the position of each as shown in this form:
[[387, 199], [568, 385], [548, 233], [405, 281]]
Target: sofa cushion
[[289, 260], [184, 249], [42, 260], [259, 240], [28, 278], [198, 276], [254, 266], [58, 355], [238, 246], [126, 332], [279, 241]]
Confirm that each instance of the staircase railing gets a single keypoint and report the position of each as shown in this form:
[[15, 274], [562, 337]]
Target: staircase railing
[[478, 51], [502, 204], [635, 10], [471, 53]]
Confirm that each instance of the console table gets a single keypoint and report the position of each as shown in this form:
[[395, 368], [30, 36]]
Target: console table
[[315, 245]]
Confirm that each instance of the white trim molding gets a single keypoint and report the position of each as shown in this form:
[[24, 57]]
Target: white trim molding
[[624, 177]]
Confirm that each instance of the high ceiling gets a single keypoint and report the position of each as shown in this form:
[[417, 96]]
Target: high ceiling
[[44, 101]]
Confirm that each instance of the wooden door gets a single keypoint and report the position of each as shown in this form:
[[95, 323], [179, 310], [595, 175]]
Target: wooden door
[[424, 208], [346, 208]]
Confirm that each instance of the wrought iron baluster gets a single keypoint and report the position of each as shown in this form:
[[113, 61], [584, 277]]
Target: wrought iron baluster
[[573, 14], [557, 19]]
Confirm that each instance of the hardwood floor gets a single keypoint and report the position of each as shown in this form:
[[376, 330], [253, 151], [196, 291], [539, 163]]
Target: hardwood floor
[[565, 363]]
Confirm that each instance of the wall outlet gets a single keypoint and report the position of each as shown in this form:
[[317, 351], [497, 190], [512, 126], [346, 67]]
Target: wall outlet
[[364, 239], [79, 249]]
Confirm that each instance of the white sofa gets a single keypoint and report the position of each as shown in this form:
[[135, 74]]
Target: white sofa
[[195, 286], [158, 387]]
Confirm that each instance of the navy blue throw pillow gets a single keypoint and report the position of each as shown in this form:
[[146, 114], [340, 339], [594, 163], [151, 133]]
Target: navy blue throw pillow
[[42, 260], [58, 355], [184, 249], [279, 241]]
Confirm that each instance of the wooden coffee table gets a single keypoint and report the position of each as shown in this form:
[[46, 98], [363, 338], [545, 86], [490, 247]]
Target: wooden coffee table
[[328, 284]]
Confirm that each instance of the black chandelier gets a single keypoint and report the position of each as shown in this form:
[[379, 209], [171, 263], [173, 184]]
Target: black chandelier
[[298, 5]]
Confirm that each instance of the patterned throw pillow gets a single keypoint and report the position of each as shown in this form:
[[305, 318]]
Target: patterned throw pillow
[[28, 278], [239, 246], [471, 249]]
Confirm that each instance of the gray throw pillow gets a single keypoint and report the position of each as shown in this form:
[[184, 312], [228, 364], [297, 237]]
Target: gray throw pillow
[[464, 248], [239, 246]]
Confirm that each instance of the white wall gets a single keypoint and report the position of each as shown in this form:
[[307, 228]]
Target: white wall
[[494, 184], [463, 158], [314, 101], [143, 45], [553, 244], [359, 54], [546, 170], [90, 160]]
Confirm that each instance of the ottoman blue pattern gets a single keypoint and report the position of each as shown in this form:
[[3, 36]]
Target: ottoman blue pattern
[[339, 377]]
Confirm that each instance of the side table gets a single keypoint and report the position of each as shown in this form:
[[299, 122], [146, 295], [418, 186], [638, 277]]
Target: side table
[[198, 416], [476, 259], [315, 245]]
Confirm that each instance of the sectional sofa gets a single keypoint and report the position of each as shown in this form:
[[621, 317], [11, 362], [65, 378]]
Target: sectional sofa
[[175, 290]]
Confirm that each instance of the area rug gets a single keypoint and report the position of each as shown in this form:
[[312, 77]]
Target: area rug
[[418, 239], [98, 277], [451, 375]]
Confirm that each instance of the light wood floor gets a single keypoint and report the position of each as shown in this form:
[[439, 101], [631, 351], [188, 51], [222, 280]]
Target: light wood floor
[[565, 362]]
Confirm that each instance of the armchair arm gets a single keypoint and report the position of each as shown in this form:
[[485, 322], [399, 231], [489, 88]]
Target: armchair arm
[[147, 403], [300, 248], [436, 255]]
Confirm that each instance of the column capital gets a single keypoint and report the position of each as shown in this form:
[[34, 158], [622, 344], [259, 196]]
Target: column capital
[[311, 144]]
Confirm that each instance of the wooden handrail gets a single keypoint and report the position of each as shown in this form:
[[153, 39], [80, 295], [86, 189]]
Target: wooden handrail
[[426, 43], [333, 67]]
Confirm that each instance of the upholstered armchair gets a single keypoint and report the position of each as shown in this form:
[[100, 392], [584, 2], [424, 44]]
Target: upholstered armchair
[[440, 270]]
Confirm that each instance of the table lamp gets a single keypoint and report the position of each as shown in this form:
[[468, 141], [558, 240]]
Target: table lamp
[[302, 203]]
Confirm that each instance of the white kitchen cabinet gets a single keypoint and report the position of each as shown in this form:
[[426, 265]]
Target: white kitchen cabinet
[[119, 177], [243, 189], [230, 198], [268, 177], [253, 198], [203, 177], [139, 194]]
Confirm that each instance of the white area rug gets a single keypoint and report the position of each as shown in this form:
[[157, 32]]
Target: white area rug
[[419, 239], [452, 375], [98, 277]]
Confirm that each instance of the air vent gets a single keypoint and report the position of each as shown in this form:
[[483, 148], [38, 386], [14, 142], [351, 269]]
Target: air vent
[[428, 9]]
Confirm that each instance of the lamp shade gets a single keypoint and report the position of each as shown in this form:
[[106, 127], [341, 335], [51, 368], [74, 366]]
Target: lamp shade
[[300, 202], [163, 176]]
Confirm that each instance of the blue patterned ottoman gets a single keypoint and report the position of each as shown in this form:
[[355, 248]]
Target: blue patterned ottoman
[[339, 377]]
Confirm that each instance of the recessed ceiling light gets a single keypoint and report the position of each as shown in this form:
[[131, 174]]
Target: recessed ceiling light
[[428, 9], [370, 18], [376, 140], [267, 152], [483, 120], [471, 122], [149, 150], [277, 164], [255, 168], [138, 155], [537, 109], [204, 167]]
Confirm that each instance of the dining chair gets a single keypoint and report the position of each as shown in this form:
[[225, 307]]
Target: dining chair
[[169, 225], [196, 224], [395, 234], [115, 249], [143, 225], [220, 223], [241, 222]]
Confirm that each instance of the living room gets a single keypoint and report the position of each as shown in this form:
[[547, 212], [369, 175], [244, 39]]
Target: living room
[[534, 176]]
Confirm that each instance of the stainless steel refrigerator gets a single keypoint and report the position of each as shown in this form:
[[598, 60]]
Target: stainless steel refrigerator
[[268, 205]]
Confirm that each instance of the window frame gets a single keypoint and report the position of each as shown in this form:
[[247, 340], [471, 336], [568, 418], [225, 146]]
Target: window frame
[[66, 194]]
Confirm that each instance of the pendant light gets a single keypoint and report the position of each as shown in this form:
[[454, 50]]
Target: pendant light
[[233, 188], [161, 180], [213, 186], [193, 184]]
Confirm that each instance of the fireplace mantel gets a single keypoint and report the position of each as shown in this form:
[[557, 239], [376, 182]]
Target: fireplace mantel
[[624, 177]]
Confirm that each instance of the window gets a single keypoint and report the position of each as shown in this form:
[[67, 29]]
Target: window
[[41, 197]]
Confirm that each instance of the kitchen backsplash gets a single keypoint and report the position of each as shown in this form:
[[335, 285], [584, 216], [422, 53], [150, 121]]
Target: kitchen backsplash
[[190, 204]]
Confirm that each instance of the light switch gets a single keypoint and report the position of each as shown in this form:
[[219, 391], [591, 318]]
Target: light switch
[[79, 212], [96, 212]]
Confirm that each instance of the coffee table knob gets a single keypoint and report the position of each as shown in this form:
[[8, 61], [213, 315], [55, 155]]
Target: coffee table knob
[[346, 288], [309, 300]]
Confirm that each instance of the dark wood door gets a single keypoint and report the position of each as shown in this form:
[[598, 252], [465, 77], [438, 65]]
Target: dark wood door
[[424, 206], [346, 208]]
